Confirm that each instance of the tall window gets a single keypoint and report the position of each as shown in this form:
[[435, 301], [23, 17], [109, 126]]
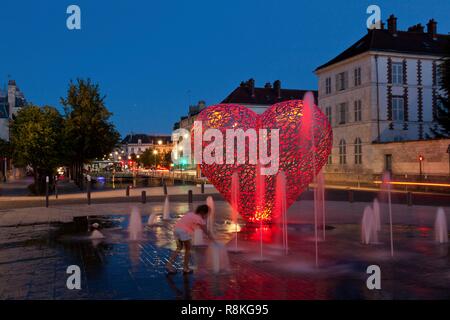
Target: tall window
[[398, 109], [342, 108], [342, 152], [397, 73], [328, 85], [358, 151], [438, 75], [341, 81], [3, 110], [357, 107], [330, 159], [328, 114], [357, 76]]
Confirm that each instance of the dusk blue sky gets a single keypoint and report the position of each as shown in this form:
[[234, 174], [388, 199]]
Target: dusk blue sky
[[148, 55]]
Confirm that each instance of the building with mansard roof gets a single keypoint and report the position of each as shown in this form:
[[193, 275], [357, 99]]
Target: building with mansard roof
[[381, 98]]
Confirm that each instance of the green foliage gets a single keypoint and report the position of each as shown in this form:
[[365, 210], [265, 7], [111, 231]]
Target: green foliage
[[36, 139], [5, 149], [148, 158], [442, 128], [89, 134]]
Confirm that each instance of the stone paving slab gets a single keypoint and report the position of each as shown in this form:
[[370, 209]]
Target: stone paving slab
[[35, 250]]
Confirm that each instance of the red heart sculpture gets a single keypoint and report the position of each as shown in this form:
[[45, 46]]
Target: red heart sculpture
[[296, 152]]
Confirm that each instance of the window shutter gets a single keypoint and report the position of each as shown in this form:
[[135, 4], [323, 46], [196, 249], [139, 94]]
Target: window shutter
[[347, 116], [345, 80]]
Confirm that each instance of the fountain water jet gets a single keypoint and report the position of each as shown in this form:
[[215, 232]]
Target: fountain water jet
[[217, 258], [386, 185], [198, 239], [281, 207], [319, 201], [152, 219], [135, 227], [440, 227], [308, 131], [166, 212], [376, 214], [368, 227], [96, 235], [260, 204], [235, 207], [212, 214]]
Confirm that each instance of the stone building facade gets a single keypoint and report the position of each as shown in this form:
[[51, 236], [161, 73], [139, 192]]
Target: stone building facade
[[382, 89]]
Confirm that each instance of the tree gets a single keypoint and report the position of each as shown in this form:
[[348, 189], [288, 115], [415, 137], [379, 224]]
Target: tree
[[5, 152], [5, 149], [36, 139], [148, 158], [167, 160], [88, 133], [442, 127]]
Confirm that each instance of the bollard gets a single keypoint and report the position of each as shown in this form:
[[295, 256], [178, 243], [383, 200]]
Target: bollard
[[89, 189], [350, 195], [144, 197], [203, 187], [409, 199], [127, 192], [165, 188], [56, 187], [47, 180], [190, 196]]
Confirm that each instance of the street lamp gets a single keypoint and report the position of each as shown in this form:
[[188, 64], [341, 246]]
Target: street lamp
[[159, 142], [420, 165]]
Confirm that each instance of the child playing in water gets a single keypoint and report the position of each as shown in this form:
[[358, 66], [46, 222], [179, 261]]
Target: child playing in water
[[184, 230]]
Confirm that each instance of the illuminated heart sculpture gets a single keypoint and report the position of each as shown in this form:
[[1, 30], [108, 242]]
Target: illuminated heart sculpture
[[299, 159]]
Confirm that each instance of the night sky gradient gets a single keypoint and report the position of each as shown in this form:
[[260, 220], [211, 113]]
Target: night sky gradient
[[154, 58]]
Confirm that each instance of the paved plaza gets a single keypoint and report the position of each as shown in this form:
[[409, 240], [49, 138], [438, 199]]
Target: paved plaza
[[38, 244]]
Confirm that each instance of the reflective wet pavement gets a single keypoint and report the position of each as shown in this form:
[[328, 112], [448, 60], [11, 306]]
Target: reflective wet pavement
[[34, 259]]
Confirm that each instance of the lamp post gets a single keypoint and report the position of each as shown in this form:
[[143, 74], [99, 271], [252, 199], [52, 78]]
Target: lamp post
[[420, 166], [6, 169]]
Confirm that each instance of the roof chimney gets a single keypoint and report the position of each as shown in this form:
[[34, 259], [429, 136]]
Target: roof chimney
[[277, 88], [432, 28], [392, 24], [251, 86], [418, 28]]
